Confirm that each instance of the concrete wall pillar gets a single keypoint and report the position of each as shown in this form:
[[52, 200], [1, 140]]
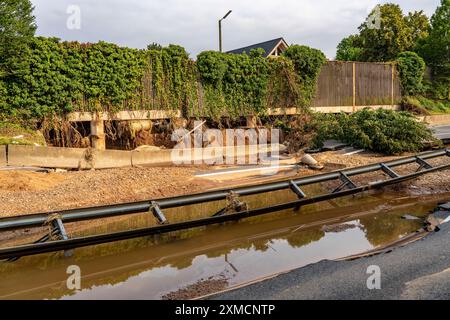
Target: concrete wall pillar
[[98, 140], [252, 122]]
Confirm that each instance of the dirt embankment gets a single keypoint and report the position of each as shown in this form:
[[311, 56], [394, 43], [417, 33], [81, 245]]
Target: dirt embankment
[[29, 192]]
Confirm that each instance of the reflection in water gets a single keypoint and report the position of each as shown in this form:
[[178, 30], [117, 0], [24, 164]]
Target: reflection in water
[[150, 267]]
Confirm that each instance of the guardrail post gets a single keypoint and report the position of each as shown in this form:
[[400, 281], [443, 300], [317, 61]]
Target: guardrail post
[[156, 210]]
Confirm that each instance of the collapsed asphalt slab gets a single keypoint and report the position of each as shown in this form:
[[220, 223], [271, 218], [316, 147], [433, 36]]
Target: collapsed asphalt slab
[[420, 270]]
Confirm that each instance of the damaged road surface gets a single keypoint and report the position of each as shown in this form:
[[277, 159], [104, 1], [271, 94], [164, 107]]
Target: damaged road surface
[[419, 270]]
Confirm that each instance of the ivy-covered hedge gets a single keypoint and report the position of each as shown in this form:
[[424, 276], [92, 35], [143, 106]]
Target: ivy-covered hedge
[[58, 77], [234, 84], [307, 63]]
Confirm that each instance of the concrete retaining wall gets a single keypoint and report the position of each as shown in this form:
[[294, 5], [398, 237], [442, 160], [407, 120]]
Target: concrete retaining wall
[[3, 161], [73, 158], [437, 119], [67, 158]]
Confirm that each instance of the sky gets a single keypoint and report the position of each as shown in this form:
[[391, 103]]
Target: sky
[[193, 24]]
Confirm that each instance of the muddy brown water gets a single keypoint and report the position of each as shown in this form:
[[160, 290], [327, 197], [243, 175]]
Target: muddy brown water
[[152, 267]]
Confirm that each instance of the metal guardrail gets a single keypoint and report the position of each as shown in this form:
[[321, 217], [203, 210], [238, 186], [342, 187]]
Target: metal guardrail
[[347, 187]]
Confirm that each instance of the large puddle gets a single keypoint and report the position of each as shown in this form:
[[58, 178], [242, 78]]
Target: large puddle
[[238, 252]]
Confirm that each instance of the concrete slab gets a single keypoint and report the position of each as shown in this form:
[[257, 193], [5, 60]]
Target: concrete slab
[[442, 133], [437, 119], [332, 145], [3, 160], [445, 206]]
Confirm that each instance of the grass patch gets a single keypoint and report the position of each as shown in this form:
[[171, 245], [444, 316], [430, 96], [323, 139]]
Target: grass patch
[[11, 133], [425, 106]]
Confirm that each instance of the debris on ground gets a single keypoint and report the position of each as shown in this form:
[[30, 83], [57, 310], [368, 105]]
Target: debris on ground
[[440, 216], [333, 145], [410, 217], [311, 162]]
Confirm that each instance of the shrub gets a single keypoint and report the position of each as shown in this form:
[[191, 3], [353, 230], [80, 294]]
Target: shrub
[[411, 68], [384, 131]]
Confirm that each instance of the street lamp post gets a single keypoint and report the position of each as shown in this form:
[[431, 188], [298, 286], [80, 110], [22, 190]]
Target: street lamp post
[[220, 30]]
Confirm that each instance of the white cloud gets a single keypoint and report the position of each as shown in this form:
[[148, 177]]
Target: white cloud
[[193, 24]]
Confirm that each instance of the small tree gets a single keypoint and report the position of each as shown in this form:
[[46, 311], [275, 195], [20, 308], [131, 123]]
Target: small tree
[[411, 68]]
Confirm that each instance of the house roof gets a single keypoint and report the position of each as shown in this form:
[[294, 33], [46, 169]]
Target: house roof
[[268, 47]]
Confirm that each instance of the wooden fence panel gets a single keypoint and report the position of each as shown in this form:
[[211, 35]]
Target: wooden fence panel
[[335, 85], [357, 84]]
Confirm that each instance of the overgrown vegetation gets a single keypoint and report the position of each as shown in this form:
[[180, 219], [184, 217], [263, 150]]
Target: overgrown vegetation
[[411, 68], [237, 84], [59, 77], [421, 105], [307, 63], [16, 134], [382, 131]]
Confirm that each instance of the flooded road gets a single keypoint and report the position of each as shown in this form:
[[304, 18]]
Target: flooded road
[[217, 256]]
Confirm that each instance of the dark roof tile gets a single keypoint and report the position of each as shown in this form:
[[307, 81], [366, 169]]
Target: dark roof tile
[[268, 46]]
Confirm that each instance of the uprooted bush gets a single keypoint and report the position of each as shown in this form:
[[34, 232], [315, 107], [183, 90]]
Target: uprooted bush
[[383, 131]]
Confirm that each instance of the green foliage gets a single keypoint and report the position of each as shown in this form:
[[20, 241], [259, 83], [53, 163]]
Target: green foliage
[[234, 84], [384, 131], [59, 77], [283, 90], [14, 133], [307, 64], [154, 46], [395, 33], [424, 106], [173, 78], [435, 49], [349, 49], [411, 68], [17, 27]]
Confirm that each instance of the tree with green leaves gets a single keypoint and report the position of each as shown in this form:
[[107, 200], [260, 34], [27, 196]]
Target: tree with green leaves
[[386, 33], [17, 27], [392, 32], [435, 49], [349, 49]]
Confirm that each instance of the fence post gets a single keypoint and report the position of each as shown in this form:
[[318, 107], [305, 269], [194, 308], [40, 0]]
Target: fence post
[[392, 85], [354, 86]]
